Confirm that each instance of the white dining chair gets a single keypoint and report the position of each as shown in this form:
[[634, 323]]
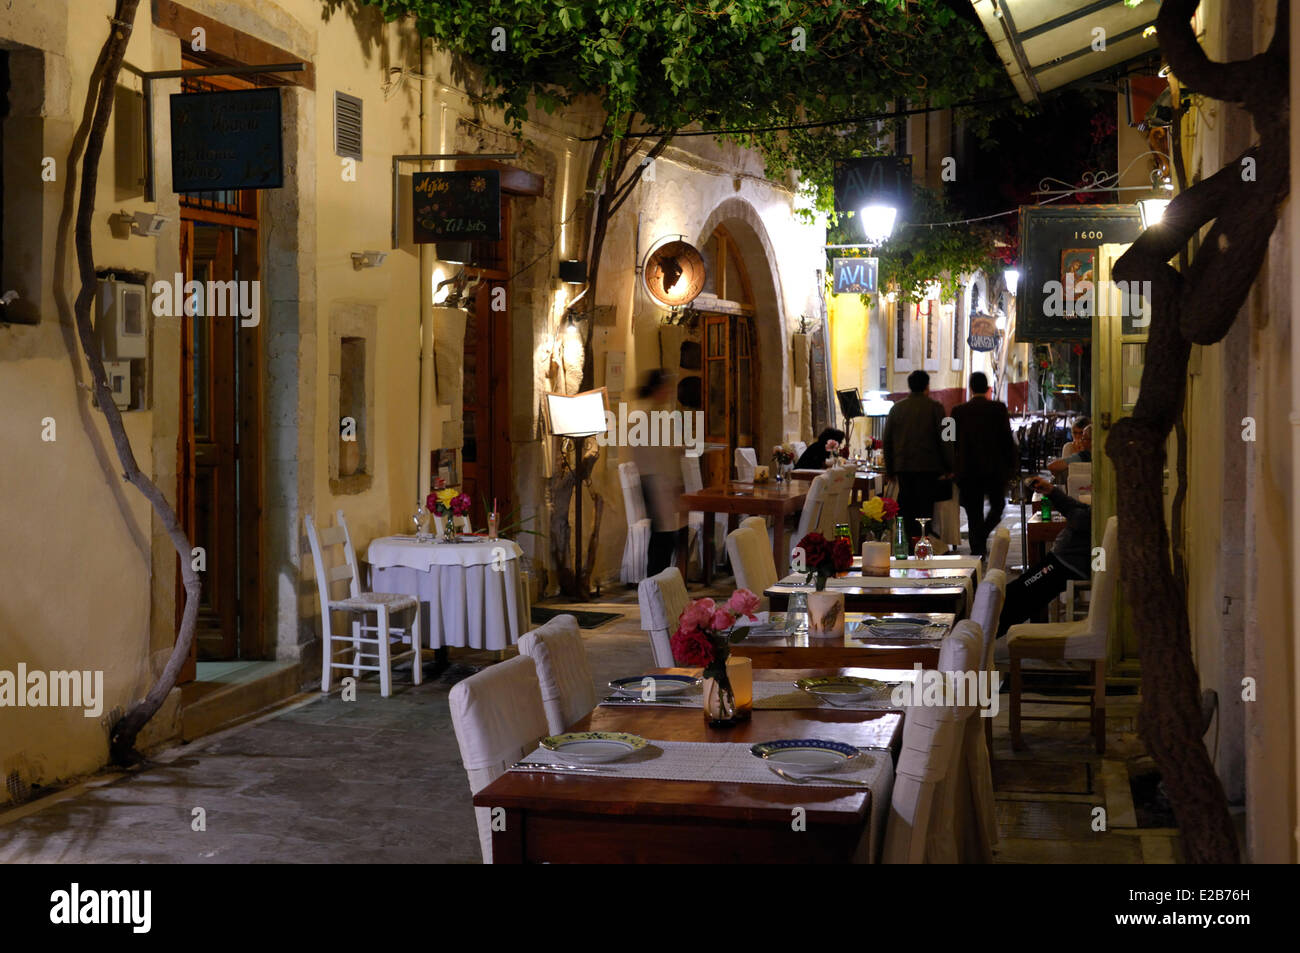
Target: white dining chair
[[1085, 640], [746, 460], [799, 447], [662, 599], [752, 562], [967, 792], [1078, 481], [835, 508], [999, 547], [810, 517], [636, 547], [985, 612], [693, 482], [916, 810], [568, 692], [384, 605], [498, 718]]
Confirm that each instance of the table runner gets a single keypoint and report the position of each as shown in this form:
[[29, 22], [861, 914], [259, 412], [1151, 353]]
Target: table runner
[[772, 696], [795, 583], [727, 762]]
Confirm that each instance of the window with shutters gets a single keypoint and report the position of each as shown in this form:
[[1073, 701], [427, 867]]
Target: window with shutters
[[347, 126]]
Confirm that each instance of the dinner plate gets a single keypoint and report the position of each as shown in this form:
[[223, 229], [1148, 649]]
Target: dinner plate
[[897, 628], [842, 688], [594, 747], [664, 685], [803, 753]]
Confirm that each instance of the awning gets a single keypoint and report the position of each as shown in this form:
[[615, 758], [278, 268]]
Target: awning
[[1045, 44]]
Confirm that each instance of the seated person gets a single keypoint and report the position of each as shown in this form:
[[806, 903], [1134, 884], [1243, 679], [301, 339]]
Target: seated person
[[1076, 436], [1070, 558], [1061, 467], [815, 457]]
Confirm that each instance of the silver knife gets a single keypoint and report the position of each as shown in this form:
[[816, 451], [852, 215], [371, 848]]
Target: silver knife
[[565, 768]]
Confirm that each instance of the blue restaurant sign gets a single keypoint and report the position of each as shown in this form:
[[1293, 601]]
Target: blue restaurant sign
[[227, 140], [854, 276]]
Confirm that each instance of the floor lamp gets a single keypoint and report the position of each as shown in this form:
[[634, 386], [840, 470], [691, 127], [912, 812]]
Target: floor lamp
[[577, 417]]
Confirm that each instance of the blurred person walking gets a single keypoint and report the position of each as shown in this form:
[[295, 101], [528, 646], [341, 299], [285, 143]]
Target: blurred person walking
[[986, 460], [916, 453]]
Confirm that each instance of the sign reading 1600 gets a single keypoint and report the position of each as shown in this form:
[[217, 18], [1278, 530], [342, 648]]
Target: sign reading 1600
[[456, 206]]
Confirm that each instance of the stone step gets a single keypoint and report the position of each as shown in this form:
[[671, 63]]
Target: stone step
[[233, 696]]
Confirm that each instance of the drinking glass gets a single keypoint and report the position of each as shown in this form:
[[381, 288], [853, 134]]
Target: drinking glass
[[924, 548]]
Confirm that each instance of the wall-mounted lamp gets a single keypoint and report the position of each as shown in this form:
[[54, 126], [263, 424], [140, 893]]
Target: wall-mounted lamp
[[878, 223], [1012, 278], [573, 272], [457, 253], [368, 259], [1152, 211], [138, 223]]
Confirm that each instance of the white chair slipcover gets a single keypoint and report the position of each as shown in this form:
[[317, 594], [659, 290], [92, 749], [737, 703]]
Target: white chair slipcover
[[811, 516], [973, 811], [746, 461], [568, 692], [999, 547], [929, 739], [662, 599], [636, 549], [1079, 480], [799, 448], [751, 561], [693, 482], [498, 718], [986, 610], [835, 509]]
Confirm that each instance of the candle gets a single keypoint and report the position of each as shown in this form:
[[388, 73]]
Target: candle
[[740, 672], [875, 559]]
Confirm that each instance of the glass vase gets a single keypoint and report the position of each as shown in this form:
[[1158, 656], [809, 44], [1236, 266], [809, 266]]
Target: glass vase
[[796, 612], [449, 529], [719, 700], [420, 520]]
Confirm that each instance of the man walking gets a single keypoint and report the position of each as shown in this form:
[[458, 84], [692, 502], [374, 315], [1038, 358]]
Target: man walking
[[915, 452], [986, 460]]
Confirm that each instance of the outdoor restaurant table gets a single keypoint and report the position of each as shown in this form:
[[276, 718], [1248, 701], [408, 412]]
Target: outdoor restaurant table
[[907, 589], [769, 652], [864, 482], [776, 500], [580, 818], [471, 592], [1040, 534]]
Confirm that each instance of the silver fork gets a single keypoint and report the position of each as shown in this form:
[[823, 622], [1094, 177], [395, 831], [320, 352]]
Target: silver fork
[[806, 778]]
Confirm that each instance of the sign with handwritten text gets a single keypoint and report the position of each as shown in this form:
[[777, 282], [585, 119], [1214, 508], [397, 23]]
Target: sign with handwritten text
[[456, 206]]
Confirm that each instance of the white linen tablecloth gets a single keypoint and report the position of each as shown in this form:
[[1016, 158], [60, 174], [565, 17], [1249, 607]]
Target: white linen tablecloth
[[471, 593]]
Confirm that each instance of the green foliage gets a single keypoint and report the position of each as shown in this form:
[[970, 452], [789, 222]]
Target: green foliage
[[667, 64]]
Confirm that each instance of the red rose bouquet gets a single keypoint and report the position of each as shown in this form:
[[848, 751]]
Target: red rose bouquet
[[707, 630], [820, 558]]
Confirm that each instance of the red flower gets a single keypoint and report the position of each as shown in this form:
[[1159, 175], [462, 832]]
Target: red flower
[[692, 647], [430, 502], [842, 555], [815, 550], [461, 504], [891, 506]]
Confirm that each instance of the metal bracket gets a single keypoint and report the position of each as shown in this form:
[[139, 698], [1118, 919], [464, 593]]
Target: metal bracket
[[435, 157]]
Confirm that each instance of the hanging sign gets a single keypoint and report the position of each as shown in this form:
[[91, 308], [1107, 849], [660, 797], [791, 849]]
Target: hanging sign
[[873, 180], [855, 276], [983, 333], [456, 206], [227, 140]]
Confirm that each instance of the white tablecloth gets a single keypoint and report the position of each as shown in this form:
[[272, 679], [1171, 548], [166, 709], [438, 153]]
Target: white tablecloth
[[471, 593]]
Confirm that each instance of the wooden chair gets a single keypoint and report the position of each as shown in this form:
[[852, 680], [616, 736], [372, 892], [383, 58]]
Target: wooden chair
[[383, 604], [568, 692], [498, 718], [1083, 641], [662, 600]]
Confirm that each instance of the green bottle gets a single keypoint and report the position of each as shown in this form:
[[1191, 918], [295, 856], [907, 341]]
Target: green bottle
[[900, 539], [1046, 509]]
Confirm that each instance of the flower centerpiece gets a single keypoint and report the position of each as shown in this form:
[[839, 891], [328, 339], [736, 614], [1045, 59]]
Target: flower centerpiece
[[821, 559], [705, 633], [448, 503], [832, 451], [783, 456], [877, 513]]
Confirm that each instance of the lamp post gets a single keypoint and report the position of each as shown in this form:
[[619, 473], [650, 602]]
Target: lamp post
[[577, 417]]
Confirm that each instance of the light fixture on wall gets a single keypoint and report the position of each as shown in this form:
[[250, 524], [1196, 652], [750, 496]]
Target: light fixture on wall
[[368, 259], [1152, 211], [1012, 278], [573, 272], [878, 223], [149, 224]]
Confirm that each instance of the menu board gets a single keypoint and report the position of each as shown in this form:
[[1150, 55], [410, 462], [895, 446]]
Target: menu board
[[226, 140], [456, 206]]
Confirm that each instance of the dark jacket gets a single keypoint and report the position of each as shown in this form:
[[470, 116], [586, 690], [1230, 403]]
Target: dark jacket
[[913, 437], [813, 458], [1074, 546], [986, 450]]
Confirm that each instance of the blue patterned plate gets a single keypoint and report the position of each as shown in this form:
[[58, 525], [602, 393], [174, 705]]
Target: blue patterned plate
[[594, 747], [806, 753], [664, 685]]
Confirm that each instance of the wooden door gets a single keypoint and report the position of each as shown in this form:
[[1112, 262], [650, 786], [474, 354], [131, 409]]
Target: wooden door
[[730, 416]]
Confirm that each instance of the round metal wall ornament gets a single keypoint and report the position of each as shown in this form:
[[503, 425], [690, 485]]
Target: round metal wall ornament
[[674, 273]]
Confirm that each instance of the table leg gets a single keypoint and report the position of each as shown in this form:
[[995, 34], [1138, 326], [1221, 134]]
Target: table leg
[[706, 571], [683, 550], [780, 551]]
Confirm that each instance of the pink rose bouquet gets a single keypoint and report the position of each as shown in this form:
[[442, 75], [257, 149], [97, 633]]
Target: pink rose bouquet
[[707, 630]]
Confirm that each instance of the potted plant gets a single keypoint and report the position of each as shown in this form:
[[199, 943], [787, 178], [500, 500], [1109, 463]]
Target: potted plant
[[705, 633]]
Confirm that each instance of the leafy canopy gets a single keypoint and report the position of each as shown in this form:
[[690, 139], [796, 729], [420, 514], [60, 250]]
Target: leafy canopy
[[663, 65]]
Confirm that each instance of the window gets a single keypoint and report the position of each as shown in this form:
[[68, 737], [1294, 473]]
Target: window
[[902, 337], [353, 330], [352, 406], [958, 333], [931, 330]]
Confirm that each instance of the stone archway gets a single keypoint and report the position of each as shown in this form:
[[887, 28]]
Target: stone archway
[[750, 237]]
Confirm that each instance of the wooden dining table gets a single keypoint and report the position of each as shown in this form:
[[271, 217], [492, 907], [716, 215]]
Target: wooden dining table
[[777, 500], [586, 818], [901, 597], [856, 647], [864, 482]]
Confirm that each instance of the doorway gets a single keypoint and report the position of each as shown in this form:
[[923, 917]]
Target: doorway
[[727, 306]]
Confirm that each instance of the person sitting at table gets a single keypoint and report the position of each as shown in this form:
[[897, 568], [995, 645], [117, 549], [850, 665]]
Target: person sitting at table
[[1076, 435], [815, 457], [1083, 454], [1070, 558]]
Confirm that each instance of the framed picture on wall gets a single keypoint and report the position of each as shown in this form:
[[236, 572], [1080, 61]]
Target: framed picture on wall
[[1078, 272]]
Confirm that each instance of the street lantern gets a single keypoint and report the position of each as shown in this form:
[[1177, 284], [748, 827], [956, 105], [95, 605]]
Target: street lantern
[[1012, 278], [878, 223]]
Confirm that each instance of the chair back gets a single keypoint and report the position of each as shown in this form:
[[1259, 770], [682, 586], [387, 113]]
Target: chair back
[[662, 599], [751, 560], [498, 718], [1104, 580], [633, 499], [967, 828], [987, 610], [799, 448], [692, 481], [836, 508], [999, 547], [568, 692], [813, 504], [757, 523], [746, 461], [929, 737], [327, 572], [1079, 480]]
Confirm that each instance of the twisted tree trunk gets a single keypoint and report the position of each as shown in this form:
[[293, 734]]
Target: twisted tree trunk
[[124, 732], [1197, 306]]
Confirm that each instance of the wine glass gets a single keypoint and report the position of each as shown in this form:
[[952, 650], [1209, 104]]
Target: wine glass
[[924, 548]]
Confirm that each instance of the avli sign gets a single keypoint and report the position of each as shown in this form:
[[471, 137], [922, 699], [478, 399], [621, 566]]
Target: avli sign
[[983, 333], [226, 140], [456, 206], [854, 276]]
